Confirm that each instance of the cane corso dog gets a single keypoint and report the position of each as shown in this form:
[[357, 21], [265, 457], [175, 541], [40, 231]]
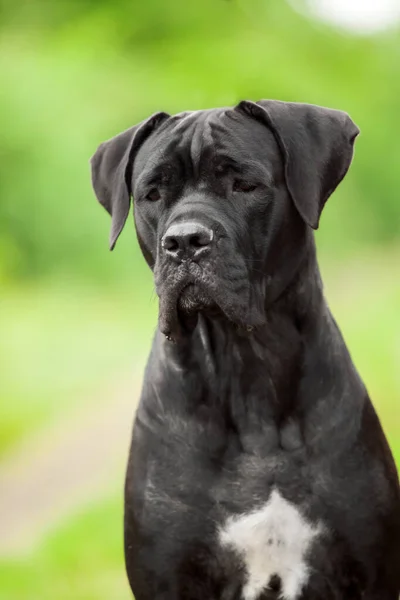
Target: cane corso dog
[[258, 468]]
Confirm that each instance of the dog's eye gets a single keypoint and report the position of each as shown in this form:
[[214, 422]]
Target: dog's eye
[[153, 195], [243, 186]]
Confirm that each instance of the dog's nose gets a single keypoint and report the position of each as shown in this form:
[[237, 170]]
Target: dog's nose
[[187, 240]]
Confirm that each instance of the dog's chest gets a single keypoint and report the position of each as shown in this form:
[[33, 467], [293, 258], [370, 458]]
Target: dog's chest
[[236, 510], [272, 543]]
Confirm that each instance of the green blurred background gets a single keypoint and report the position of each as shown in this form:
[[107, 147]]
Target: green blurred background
[[76, 320]]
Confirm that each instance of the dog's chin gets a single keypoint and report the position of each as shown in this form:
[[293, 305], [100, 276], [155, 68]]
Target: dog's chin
[[193, 300]]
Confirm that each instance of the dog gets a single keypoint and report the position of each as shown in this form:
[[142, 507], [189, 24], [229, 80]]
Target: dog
[[258, 468]]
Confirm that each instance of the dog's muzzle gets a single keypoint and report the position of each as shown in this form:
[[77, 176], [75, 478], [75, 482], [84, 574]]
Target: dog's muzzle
[[199, 270]]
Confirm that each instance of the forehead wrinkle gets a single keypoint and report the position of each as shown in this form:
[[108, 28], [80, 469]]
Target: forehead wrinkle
[[242, 162], [159, 157], [204, 143], [196, 144], [161, 151], [185, 132], [184, 121], [223, 137], [201, 140]]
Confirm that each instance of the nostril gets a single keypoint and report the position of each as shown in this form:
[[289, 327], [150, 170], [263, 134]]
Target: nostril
[[199, 240], [170, 243]]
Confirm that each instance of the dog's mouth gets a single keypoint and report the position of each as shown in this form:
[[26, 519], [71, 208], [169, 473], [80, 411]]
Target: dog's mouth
[[190, 290], [181, 303], [194, 298], [180, 307]]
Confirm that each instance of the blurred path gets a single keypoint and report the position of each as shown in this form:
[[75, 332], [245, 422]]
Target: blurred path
[[71, 462]]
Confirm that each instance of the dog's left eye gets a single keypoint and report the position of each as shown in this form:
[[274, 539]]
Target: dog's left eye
[[153, 195], [239, 185]]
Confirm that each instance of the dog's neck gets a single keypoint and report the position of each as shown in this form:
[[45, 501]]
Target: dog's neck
[[258, 377]]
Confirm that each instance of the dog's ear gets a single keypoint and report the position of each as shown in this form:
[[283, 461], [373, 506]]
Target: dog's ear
[[317, 149], [112, 171]]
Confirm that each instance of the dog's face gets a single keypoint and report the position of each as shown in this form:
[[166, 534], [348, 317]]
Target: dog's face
[[222, 200], [207, 186]]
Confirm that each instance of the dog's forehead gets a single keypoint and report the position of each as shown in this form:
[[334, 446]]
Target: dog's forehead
[[219, 131]]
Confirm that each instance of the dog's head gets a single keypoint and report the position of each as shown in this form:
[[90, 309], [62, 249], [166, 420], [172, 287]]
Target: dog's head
[[223, 200]]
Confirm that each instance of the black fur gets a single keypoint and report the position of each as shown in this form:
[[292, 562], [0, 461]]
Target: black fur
[[249, 385]]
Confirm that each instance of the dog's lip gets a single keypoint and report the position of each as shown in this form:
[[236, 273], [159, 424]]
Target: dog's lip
[[192, 285], [193, 296], [179, 309], [172, 319]]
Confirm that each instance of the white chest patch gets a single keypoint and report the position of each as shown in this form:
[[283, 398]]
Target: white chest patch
[[272, 540]]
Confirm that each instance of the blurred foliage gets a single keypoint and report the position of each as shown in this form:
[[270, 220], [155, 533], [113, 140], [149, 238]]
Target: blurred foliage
[[74, 73]]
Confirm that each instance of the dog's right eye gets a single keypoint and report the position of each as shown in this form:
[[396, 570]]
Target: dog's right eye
[[239, 185], [153, 195]]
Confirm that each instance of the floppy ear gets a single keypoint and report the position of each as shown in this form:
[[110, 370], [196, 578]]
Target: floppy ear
[[112, 170], [317, 148]]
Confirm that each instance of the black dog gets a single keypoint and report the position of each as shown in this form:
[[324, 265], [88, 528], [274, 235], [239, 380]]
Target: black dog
[[258, 468]]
